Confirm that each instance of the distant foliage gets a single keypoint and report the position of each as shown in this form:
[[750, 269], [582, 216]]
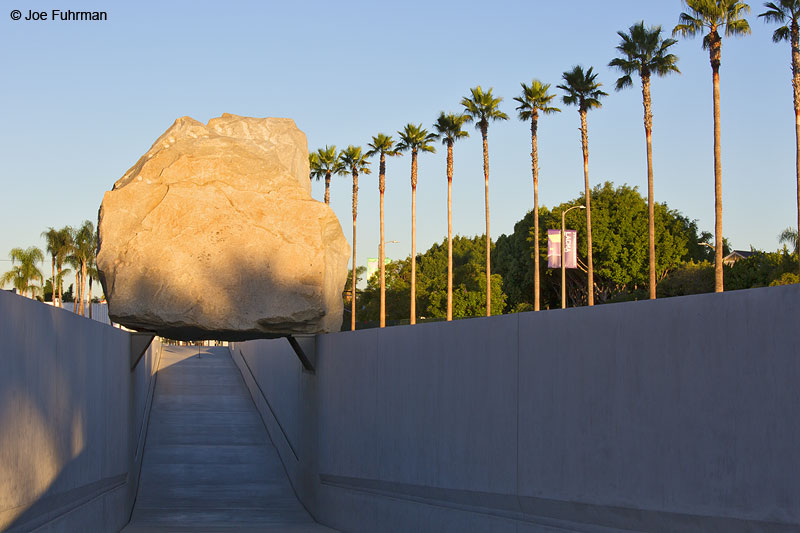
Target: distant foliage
[[469, 284]]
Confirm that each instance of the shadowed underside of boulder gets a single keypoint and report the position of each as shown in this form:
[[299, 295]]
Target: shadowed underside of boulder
[[213, 234]]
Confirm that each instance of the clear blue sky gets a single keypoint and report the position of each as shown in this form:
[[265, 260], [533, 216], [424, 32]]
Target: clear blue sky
[[83, 100]]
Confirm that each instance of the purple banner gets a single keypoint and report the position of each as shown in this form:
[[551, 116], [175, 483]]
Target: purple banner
[[554, 248]]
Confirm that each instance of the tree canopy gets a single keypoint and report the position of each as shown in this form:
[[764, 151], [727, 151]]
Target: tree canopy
[[620, 248]]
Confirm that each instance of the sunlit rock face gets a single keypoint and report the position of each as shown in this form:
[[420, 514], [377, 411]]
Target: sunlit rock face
[[213, 234]]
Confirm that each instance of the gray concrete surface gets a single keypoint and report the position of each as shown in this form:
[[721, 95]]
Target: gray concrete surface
[[72, 419], [671, 415], [209, 464]]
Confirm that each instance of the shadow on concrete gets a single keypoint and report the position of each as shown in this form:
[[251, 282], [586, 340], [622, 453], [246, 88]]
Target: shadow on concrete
[[61, 410]]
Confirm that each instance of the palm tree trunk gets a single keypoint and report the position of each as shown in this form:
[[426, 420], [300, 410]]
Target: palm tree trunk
[[353, 286], [53, 287], [589, 263], [328, 188], [381, 254], [76, 292], [413, 237], [796, 85], [90, 297], [60, 287], [83, 287], [535, 170], [651, 228], [484, 134], [450, 231], [715, 52]]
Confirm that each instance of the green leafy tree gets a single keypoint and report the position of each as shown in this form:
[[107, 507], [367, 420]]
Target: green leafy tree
[[449, 128], [324, 163], [533, 100], [382, 145], [761, 269], [24, 272], [582, 89], [645, 52], [787, 13], [414, 139], [481, 107], [711, 17], [621, 246], [469, 290], [356, 163]]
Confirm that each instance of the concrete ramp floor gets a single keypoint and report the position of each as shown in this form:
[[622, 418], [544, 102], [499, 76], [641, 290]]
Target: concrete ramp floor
[[209, 464]]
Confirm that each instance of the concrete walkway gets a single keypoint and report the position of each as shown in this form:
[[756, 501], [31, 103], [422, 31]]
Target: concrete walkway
[[209, 464]]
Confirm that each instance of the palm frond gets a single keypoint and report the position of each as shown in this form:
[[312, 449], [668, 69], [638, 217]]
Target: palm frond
[[644, 51], [581, 88], [381, 144], [449, 127], [781, 34], [535, 98], [354, 161], [481, 107], [414, 138]]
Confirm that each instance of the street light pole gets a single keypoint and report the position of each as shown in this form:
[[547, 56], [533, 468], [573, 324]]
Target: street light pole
[[563, 259]]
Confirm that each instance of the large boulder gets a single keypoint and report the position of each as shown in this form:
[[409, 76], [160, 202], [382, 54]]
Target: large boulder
[[213, 234]]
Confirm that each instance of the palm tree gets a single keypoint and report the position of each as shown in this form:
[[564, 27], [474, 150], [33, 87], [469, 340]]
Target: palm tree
[[449, 129], [24, 270], [324, 163], [84, 250], [714, 15], [51, 238], [789, 236], [645, 53], [535, 98], [415, 139], [582, 89], [481, 107], [781, 12], [383, 145], [64, 248], [356, 163], [91, 274]]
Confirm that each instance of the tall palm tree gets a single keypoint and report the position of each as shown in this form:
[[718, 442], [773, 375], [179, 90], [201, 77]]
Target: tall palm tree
[[784, 11], [51, 238], [84, 250], [449, 130], [646, 53], [383, 145], [64, 249], [415, 139], [481, 107], [91, 274], [356, 163], [324, 163], [583, 90], [713, 16], [24, 271], [535, 99]]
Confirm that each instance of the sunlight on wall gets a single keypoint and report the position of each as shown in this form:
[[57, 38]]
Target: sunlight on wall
[[30, 455], [78, 433]]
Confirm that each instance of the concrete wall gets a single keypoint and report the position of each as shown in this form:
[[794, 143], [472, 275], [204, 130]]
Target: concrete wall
[[72, 419], [678, 414]]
